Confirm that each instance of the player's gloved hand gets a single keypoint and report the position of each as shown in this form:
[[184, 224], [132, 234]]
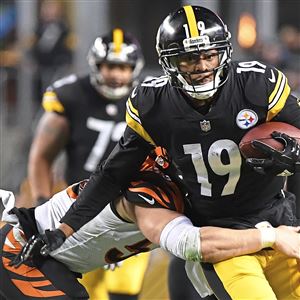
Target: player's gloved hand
[[279, 163], [112, 267], [41, 244]]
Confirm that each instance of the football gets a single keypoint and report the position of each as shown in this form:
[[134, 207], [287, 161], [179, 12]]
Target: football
[[263, 133]]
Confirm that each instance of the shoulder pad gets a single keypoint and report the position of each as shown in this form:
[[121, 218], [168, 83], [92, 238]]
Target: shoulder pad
[[264, 86], [56, 97], [156, 190], [138, 105], [65, 81]]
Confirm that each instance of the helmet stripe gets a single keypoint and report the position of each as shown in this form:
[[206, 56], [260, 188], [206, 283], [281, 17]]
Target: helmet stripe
[[118, 38], [191, 20]]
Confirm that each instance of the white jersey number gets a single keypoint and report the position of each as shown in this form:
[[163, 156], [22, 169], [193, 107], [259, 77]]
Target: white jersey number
[[108, 131], [251, 66], [215, 152]]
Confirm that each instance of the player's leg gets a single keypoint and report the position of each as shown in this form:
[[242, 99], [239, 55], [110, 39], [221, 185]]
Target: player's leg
[[95, 285], [125, 283], [283, 276], [43, 278], [180, 287], [240, 278]]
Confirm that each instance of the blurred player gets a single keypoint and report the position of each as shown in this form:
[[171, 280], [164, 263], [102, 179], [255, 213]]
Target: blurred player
[[84, 115]]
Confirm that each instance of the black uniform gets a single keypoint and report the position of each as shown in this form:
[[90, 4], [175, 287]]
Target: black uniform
[[224, 190], [96, 123]]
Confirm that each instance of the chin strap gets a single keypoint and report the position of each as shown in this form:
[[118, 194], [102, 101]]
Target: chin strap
[[109, 92], [113, 93]]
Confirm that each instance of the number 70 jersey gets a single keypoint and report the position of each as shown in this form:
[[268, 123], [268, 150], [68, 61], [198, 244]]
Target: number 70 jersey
[[96, 123], [205, 146]]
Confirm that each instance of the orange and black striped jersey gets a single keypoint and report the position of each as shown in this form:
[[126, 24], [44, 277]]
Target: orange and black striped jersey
[[96, 123], [203, 143], [151, 186]]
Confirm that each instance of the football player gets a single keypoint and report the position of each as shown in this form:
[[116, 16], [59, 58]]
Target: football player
[[199, 112], [84, 115], [112, 236]]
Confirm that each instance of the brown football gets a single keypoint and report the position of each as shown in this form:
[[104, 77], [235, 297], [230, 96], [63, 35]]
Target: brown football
[[263, 133]]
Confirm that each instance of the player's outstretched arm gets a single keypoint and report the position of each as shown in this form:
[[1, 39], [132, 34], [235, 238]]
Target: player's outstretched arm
[[175, 233]]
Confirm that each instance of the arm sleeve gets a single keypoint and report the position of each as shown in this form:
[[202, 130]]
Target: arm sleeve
[[106, 183]]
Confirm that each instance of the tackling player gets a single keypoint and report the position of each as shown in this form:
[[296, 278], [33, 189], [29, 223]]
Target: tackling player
[[113, 236]]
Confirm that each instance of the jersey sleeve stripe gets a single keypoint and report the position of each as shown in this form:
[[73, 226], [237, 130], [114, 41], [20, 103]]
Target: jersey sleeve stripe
[[51, 103], [191, 20], [134, 122], [138, 128], [279, 93], [277, 103], [280, 75], [132, 111]]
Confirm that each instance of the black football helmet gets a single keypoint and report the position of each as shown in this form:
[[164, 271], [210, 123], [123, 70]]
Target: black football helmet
[[117, 47], [191, 30]]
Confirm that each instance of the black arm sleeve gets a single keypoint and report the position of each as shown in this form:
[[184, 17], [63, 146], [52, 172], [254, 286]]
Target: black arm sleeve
[[106, 183]]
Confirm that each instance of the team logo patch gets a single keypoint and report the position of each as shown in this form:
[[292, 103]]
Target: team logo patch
[[246, 118], [205, 126]]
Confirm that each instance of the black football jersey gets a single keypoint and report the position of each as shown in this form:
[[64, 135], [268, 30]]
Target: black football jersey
[[204, 146], [96, 123]]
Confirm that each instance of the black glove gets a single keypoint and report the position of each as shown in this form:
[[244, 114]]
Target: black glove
[[41, 244], [279, 163]]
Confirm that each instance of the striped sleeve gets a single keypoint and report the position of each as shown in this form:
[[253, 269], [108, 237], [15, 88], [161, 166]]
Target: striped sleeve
[[134, 122], [51, 102], [278, 96]]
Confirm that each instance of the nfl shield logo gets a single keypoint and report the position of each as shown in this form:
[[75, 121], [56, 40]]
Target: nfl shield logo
[[205, 126]]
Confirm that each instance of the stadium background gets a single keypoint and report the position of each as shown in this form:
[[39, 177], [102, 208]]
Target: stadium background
[[266, 30]]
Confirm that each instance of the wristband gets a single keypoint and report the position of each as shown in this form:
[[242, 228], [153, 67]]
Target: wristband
[[267, 234]]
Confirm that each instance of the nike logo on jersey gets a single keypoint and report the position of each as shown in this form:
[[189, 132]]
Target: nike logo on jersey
[[150, 201], [272, 79]]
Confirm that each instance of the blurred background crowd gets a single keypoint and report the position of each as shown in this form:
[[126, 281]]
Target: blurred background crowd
[[43, 40]]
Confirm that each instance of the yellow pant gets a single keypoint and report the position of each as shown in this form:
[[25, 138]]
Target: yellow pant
[[127, 279], [266, 275]]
